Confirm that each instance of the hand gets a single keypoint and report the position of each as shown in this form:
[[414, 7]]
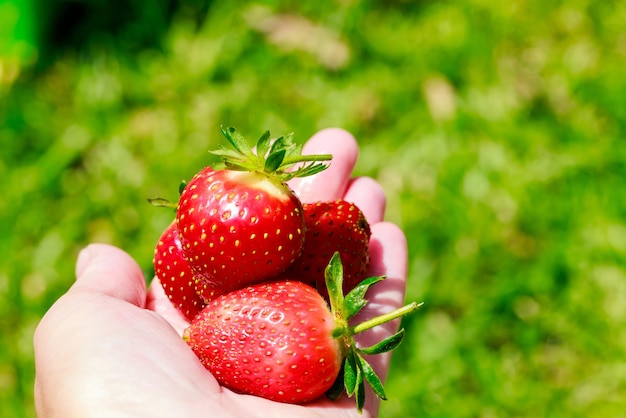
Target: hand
[[110, 347]]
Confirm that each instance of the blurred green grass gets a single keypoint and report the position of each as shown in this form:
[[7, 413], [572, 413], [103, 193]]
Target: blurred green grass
[[496, 129]]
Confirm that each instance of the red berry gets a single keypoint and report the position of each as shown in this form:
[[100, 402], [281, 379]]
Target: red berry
[[334, 226], [242, 224], [271, 340], [238, 228], [182, 288]]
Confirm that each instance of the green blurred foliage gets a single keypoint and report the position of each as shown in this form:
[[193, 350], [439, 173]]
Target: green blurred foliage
[[495, 128], [18, 43]]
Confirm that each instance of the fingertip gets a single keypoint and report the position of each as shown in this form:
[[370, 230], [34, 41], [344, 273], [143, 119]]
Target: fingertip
[[108, 270], [369, 196], [331, 183], [331, 139]]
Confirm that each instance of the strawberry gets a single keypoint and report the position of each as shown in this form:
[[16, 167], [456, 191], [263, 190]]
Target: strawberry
[[271, 340], [334, 226], [186, 293], [240, 223], [279, 340]]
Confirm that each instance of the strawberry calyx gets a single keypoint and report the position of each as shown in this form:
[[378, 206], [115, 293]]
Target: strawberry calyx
[[356, 371], [275, 158]]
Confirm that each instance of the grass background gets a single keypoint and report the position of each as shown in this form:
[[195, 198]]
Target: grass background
[[496, 128]]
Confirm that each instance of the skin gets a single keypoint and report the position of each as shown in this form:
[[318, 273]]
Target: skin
[[111, 347]]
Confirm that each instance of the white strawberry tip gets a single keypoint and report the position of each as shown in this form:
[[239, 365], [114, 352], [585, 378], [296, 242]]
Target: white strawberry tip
[[356, 371]]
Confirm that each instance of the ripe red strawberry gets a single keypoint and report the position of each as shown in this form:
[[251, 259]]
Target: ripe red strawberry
[[269, 339], [242, 224], [279, 340], [186, 293], [334, 226]]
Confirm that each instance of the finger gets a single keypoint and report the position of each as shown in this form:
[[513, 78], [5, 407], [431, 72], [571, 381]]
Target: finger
[[388, 251], [369, 196], [110, 271], [331, 183], [158, 302]]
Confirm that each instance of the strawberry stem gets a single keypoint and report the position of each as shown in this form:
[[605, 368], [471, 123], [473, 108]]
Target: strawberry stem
[[381, 319], [304, 158]]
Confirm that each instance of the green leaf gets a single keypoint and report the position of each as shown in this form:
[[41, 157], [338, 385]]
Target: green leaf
[[293, 149], [307, 169], [360, 395], [351, 373], [372, 378], [227, 153], [263, 144], [313, 169], [237, 140], [289, 139], [182, 186], [277, 145], [388, 344], [334, 283], [354, 301], [161, 202], [236, 165], [274, 161]]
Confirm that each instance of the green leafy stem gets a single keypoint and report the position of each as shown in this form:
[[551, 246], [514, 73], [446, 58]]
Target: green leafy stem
[[273, 157], [356, 370]]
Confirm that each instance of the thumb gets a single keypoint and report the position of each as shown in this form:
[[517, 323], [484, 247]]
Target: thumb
[[107, 270]]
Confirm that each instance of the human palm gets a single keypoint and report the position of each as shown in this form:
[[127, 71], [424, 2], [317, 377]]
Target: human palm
[[111, 347]]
